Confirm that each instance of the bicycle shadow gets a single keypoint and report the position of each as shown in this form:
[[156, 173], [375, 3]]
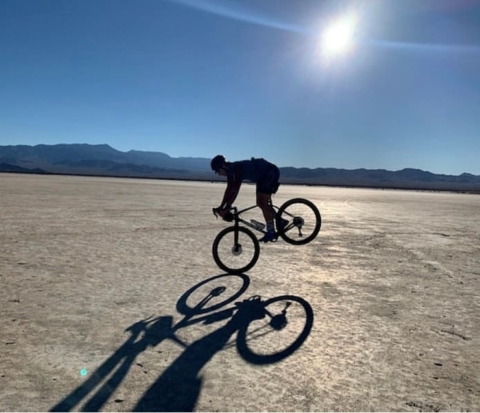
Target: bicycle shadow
[[178, 387]]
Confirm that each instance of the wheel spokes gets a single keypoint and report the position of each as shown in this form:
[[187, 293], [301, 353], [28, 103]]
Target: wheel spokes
[[236, 254], [302, 220]]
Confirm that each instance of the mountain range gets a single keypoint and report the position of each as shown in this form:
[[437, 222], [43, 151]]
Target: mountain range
[[103, 160]]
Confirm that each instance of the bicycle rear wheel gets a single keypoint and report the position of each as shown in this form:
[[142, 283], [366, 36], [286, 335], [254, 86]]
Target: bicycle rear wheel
[[235, 255], [304, 221]]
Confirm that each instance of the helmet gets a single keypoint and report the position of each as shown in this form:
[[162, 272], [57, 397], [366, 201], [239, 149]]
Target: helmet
[[217, 162]]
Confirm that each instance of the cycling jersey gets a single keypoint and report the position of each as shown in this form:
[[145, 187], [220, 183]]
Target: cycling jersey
[[253, 170], [258, 170]]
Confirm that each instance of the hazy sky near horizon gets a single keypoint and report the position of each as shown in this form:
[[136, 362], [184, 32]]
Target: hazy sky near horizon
[[247, 78]]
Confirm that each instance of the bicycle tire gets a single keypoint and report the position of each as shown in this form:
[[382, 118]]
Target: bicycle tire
[[228, 268], [284, 234]]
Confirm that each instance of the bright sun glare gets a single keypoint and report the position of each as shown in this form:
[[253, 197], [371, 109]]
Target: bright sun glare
[[337, 39]]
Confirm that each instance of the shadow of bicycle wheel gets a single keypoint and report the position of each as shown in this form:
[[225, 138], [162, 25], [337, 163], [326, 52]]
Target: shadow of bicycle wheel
[[210, 301], [277, 323]]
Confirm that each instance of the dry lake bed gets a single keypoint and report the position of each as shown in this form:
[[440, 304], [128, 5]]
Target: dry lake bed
[[111, 301]]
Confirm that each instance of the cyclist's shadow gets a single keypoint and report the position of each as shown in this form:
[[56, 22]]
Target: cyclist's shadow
[[145, 333], [178, 387], [155, 331]]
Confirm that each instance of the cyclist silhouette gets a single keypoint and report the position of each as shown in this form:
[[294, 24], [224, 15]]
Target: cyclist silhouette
[[265, 174]]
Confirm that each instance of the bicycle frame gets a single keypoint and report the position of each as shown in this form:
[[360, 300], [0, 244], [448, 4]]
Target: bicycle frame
[[237, 219]]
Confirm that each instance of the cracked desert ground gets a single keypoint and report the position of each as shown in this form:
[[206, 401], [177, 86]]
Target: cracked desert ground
[[105, 301]]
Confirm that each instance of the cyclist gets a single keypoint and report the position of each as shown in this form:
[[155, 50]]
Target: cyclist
[[258, 170]]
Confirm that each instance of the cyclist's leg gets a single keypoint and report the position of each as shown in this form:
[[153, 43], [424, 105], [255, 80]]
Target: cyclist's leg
[[264, 201], [265, 188]]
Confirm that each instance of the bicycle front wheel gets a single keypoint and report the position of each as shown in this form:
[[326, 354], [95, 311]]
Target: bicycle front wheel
[[236, 250], [304, 221]]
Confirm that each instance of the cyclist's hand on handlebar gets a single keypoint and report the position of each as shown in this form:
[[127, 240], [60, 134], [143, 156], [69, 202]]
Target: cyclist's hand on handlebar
[[218, 211], [224, 213]]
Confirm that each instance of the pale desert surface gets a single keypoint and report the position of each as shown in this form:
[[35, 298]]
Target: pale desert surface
[[111, 278]]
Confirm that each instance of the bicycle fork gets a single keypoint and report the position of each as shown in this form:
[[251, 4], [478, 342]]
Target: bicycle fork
[[237, 248]]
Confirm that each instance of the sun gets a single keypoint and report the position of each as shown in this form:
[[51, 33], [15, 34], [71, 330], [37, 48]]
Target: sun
[[338, 37]]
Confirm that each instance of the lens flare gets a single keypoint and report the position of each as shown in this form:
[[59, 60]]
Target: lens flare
[[235, 12], [338, 37]]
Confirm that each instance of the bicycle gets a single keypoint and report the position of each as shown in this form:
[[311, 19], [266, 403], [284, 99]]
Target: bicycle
[[294, 219], [264, 331]]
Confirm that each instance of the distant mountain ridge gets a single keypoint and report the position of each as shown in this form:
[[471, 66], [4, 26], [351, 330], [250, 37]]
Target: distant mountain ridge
[[86, 159]]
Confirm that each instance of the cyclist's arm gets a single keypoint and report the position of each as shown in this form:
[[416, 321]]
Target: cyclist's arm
[[234, 182]]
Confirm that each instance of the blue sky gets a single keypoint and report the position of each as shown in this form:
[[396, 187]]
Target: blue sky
[[247, 78]]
